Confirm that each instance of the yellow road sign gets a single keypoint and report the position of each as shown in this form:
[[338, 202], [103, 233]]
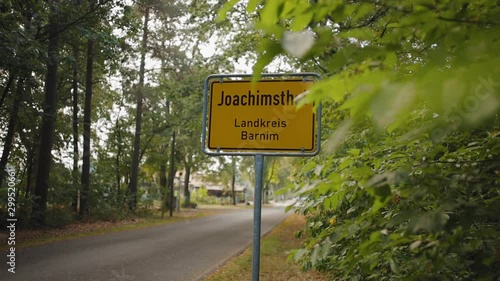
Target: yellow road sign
[[260, 116]]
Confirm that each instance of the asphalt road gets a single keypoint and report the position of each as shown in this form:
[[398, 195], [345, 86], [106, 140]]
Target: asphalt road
[[180, 251]]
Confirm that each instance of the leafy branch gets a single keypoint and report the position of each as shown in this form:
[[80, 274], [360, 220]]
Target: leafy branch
[[467, 21], [40, 36], [459, 162]]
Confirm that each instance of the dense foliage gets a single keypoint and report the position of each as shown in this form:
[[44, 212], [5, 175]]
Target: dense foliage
[[407, 184], [75, 78]]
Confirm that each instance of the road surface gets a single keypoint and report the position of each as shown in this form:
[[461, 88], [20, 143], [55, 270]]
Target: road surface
[[180, 251]]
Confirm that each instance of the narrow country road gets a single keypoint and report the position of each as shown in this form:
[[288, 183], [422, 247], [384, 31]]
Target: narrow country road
[[180, 251]]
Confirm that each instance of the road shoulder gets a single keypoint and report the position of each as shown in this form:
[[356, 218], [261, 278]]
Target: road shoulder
[[275, 265]]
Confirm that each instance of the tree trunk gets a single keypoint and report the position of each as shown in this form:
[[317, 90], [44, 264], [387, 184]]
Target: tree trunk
[[76, 189], [269, 177], [87, 110], [6, 89], [132, 200], [11, 128], [118, 174], [171, 175], [28, 140], [29, 172], [187, 193], [163, 188], [48, 122]]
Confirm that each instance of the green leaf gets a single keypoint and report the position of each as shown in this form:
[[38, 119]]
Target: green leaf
[[362, 173], [362, 11], [301, 21], [361, 34], [394, 266], [382, 191], [326, 248], [391, 59], [432, 222], [271, 11], [327, 203], [392, 104], [382, 194], [310, 165], [252, 5], [375, 237], [355, 152], [336, 199], [345, 162], [315, 255], [415, 245], [299, 254], [288, 9], [352, 229], [272, 50], [222, 13]]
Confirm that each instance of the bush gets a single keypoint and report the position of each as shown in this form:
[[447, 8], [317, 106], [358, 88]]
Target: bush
[[191, 205], [414, 210]]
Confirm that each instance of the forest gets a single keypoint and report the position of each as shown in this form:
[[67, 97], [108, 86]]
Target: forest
[[101, 105]]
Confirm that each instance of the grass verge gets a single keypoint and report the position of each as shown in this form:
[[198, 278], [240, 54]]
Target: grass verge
[[274, 265]]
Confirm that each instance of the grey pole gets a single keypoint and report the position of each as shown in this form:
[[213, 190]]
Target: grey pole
[[257, 206]]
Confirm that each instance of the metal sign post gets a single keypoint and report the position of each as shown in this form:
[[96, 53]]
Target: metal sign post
[[258, 118], [257, 207]]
